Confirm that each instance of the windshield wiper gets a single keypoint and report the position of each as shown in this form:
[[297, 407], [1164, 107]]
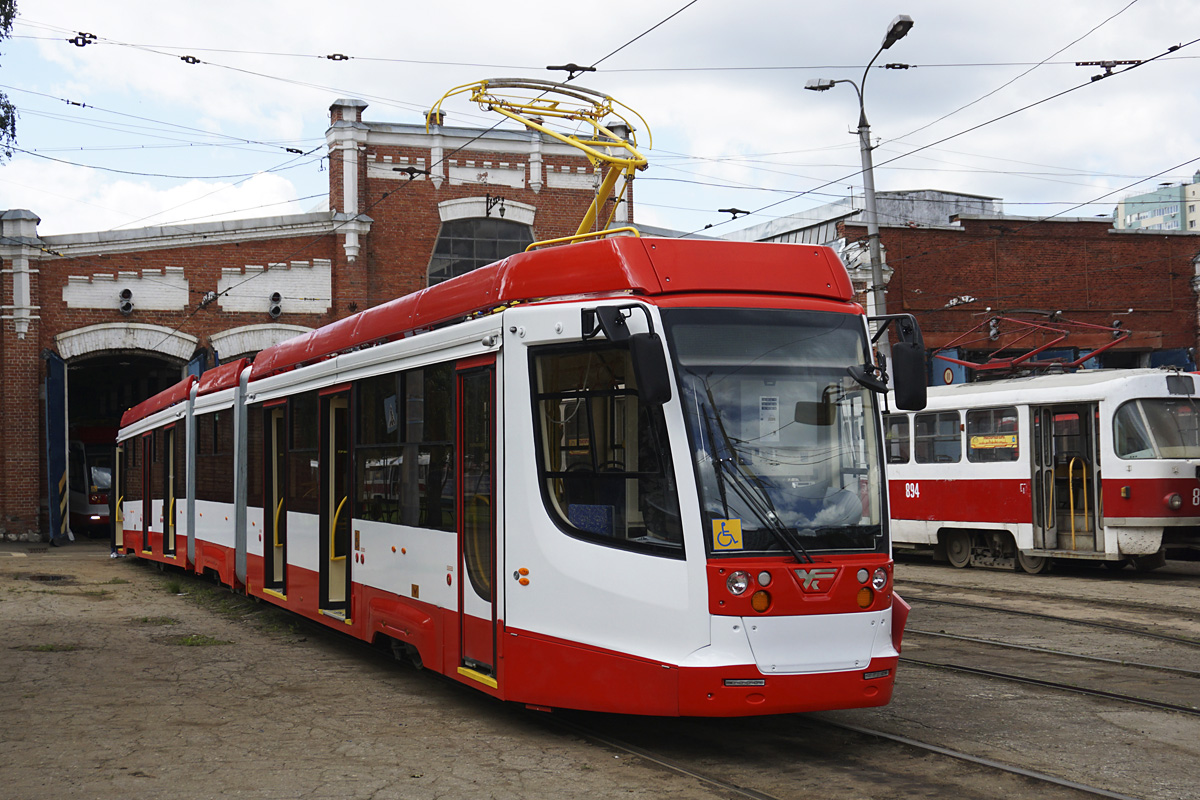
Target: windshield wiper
[[749, 488]]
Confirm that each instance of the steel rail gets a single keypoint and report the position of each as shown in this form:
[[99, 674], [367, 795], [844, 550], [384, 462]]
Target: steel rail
[[1038, 615], [983, 762], [1063, 687], [1030, 648]]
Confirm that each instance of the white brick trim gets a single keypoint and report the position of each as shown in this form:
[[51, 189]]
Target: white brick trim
[[126, 336], [250, 339], [476, 208]]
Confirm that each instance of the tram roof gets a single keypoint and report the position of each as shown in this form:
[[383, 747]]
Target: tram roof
[[155, 403], [640, 266], [1066, 386]]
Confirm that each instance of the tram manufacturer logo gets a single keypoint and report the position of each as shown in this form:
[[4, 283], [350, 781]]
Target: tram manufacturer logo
[[816, 579]]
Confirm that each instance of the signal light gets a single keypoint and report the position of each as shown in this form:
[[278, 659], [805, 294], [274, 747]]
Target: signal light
[[865, 597], [125, 301], [760, 601], [275, 305], [1173, 501]]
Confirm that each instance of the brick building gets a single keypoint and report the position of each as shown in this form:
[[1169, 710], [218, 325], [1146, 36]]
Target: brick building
[[93, 323], [949, 257]]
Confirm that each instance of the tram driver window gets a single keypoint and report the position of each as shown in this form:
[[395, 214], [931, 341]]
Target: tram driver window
[[938, 438], [605, 465]]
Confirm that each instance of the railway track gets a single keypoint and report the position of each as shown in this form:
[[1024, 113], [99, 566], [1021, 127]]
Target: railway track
[[1044, 785]]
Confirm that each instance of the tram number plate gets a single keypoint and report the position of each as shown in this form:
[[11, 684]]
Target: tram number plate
[[912, 490]]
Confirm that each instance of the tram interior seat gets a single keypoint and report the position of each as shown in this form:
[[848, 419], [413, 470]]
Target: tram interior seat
[[592, 518]]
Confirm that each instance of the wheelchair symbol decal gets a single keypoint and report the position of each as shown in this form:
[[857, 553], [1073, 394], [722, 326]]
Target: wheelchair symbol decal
[[727, 534]]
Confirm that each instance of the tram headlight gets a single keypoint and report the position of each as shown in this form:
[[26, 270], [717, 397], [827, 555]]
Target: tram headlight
[[764, 578], [1173, 501], [738, 582], [879, 579]]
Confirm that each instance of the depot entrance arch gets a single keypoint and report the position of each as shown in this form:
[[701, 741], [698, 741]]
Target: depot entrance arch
[[96, 374]]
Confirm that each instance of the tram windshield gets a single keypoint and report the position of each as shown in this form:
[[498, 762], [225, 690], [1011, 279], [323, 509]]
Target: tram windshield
[[1157, 428], [784, 440]]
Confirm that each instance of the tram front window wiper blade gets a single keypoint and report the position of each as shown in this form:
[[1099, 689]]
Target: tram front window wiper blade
[[748, 487]]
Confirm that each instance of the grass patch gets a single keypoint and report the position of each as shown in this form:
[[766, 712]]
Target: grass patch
[[200, 640], [157, 621], [113, 582], [50, 648], [174, 586]]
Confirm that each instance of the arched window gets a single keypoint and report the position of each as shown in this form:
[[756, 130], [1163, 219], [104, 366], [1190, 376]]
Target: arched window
[[467, 244]]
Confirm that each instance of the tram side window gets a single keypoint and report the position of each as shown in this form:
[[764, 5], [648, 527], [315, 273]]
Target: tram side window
[[404, 448], [214, 461], [156, 467], [303, 469], [132, 487], [428, 439], [938, 438], [254, 461], [377, 455], [896, 430], [605, 462], [992, 435]]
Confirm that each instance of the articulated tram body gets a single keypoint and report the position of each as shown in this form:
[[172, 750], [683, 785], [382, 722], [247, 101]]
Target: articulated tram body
[[631, 475]]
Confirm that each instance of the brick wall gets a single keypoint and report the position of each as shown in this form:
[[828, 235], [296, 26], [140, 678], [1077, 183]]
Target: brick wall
[[1082, 268]]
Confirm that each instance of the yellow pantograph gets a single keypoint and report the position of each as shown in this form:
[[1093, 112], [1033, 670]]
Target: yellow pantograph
[[532, 103]]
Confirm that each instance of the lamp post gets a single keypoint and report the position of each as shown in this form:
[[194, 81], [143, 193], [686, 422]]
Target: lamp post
[[896, 31]]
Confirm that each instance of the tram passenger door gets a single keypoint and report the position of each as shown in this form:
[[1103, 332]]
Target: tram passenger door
[[1045, 519], [476, 523], [1066, 477], [335, 504], [274, 509], [116, 502], [147, 488], [169, 492]]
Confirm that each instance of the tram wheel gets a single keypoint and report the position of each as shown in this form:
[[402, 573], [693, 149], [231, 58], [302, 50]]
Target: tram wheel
[[1032, 564], [958, 548], [1116, 566]]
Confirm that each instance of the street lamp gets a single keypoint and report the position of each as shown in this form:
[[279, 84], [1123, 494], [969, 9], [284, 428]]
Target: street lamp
[[896, 31]]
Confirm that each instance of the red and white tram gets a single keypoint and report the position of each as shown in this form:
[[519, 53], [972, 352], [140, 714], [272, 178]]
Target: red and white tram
[[1099, 465], [514, 479]]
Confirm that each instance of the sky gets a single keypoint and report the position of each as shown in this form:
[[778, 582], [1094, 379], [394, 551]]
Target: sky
[[136, 114]]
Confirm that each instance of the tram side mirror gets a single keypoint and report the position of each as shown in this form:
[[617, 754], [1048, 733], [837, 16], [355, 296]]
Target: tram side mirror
[[649, 368], [908, 374]]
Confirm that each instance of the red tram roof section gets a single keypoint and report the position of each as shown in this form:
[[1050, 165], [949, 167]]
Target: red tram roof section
[[155, 403], [222, 377], [647, 267]]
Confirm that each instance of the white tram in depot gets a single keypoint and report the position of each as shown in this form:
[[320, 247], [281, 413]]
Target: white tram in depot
[[1101, 465], [629, 475]]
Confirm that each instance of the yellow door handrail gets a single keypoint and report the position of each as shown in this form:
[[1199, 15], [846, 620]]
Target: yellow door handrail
[[333, 556], [120, 517], [275, 530], [1071, 494]]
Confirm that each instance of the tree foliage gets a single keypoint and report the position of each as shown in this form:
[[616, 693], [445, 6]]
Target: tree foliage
[[8, 113]]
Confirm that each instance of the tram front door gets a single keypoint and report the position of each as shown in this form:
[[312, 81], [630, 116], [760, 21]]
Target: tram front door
[[476, 523]]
